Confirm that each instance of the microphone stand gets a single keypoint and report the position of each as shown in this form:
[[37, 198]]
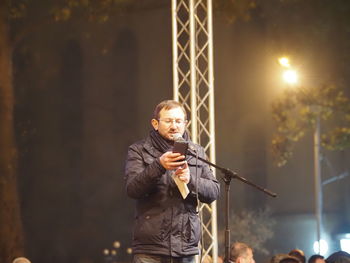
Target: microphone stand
[[228, 175]]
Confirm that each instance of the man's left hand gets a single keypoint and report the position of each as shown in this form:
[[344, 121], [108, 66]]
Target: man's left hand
[[183, 172]]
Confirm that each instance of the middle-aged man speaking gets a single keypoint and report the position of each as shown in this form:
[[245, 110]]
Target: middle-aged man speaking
[[167, 226]]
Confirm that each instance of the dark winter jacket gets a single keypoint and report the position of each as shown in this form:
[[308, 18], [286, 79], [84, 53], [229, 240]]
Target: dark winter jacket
[[165, 223]]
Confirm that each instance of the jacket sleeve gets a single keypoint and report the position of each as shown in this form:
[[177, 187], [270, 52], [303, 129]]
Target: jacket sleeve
[[208, 185], [141, 176]]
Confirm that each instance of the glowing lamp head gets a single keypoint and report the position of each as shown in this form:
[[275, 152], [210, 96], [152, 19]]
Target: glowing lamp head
[[290, 77], [284, 62], [321, 247]]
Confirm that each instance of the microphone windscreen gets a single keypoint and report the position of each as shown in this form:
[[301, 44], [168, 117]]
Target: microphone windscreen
[[178, 137]]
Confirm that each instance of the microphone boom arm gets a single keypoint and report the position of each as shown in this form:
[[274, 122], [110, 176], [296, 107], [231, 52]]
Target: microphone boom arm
[[228, 176]]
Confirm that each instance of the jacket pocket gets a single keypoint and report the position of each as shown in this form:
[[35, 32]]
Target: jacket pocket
[[191, 230], [149, 229]]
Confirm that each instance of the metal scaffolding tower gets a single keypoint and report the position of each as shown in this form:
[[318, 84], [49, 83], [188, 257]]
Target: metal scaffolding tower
[[193, 84]]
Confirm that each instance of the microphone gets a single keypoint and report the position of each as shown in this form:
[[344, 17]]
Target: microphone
[[180, 145], [178, 137]]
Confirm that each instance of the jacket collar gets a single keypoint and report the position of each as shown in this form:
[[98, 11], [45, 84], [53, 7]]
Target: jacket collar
[[148, 146]]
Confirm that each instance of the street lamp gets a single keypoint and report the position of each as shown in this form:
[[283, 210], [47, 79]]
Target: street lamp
[[284, 62], [290, 76], [317, 177]]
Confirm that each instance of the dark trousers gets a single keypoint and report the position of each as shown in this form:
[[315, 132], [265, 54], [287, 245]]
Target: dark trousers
[[146, 258]]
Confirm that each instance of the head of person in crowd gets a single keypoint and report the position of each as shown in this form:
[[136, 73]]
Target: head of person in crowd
[[284, 258], [277, 258], [21, 260], [316, 259], [241, 253], [289, 259], [299, 254], [339, 257]]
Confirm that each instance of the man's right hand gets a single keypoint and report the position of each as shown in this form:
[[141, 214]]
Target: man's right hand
[[171, 161]]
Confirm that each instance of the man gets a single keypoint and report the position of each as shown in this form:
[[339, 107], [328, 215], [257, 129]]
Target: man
[[241, 253], [167, 226]]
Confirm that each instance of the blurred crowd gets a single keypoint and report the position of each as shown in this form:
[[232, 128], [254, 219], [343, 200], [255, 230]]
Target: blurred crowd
[[242, 253], [298, 256]]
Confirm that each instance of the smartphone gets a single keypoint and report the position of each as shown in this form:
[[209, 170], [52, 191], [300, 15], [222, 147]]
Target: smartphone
[[180, 147]]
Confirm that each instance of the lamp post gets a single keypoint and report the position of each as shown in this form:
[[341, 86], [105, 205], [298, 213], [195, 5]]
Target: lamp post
[[317, 178], [290, 76]]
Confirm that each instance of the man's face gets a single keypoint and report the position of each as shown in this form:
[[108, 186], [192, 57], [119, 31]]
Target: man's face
[[170, 122]]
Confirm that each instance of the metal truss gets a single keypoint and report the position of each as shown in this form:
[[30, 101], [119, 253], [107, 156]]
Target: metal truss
[[193, 85]]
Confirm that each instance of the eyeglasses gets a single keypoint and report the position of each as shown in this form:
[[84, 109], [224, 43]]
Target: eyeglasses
[[175, 121]]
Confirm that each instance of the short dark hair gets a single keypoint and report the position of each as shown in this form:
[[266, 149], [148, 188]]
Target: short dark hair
[[290, 259], [339, 257], [239, 249], [278, 257], [168, 104], [313, 258]]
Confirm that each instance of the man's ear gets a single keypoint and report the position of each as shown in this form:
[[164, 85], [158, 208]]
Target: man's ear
[[155, 123]]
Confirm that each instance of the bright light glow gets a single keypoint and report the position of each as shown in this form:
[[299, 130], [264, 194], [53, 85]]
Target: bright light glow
[[284, 62], [323, 247], [290, 76], [345, 244]]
